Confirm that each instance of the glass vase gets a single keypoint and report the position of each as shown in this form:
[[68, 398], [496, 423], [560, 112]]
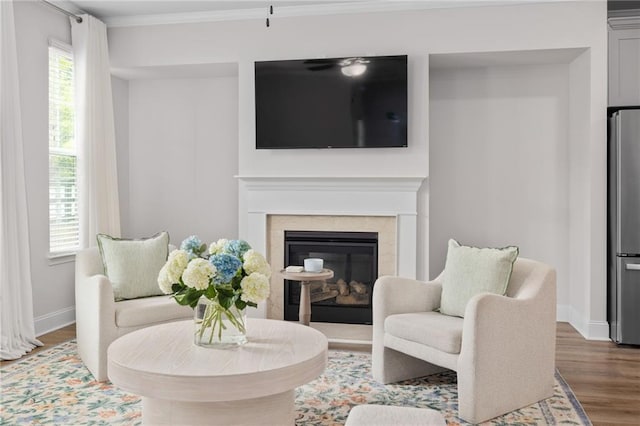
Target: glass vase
[[217, 326]]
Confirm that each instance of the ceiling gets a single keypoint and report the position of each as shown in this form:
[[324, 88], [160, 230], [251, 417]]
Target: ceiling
[[116, 8], [131, 12], [115, 12]]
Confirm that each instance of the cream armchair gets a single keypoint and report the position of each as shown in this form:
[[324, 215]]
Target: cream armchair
[[100, 320], [503, 350]]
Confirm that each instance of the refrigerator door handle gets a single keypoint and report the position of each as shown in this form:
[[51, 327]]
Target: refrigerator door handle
[[633, 266]]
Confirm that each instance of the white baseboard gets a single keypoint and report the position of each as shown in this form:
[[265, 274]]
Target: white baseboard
[[598, 330], [590, 330], [55, 320]]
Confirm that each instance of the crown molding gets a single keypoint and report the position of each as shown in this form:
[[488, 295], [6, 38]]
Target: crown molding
[[67, 5], [304, 10], [625, 22]]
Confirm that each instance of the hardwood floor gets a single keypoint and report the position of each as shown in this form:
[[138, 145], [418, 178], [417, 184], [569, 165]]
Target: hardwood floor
[[604, 377]]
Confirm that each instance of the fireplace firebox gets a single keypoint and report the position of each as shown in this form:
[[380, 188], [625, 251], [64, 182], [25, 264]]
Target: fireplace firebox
[[353, 257]]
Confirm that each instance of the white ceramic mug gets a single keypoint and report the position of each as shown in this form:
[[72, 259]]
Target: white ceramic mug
[[313, 264]]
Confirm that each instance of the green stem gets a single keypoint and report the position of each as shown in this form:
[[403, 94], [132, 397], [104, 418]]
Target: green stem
[[214, 318]]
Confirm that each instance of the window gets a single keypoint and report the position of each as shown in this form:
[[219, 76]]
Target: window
[[63, 190]]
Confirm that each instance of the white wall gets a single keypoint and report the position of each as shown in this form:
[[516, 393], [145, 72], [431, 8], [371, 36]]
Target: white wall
[[579, 198], [53, 298], [183, 157], [418, 34], [499, 156], [120, 89]]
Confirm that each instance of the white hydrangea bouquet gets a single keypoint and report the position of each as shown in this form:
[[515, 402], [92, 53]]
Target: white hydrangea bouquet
[[219, 282]]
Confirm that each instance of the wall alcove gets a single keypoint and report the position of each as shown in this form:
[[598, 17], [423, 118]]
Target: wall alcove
[[177, 136], [507, 158]]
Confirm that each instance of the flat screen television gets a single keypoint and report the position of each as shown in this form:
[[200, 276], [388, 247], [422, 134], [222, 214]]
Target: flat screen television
[[354, 102]]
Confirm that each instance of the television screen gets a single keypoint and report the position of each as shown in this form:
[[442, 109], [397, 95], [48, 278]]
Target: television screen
[[355, 102]]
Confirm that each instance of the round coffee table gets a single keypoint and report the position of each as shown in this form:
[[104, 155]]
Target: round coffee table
[[181, 383]]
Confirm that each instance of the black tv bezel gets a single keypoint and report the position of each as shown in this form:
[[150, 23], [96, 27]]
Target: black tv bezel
[[323, 147]]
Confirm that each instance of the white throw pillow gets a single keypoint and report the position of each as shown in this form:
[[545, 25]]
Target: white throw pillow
[[132, 266], [470, 270]]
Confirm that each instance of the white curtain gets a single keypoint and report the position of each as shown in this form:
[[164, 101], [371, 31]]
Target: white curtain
[[99, 207], [16, 304]]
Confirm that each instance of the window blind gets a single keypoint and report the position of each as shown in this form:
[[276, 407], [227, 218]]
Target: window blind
[[63, 190]]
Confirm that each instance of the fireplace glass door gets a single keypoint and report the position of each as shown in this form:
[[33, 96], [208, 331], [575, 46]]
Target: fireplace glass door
[[353, 257]]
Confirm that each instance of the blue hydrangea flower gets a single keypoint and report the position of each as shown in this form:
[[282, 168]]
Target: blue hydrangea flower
[[227, 267], [236, 248], [192, 246]]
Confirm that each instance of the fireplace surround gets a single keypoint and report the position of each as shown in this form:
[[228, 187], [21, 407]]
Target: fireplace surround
[[271, 205]]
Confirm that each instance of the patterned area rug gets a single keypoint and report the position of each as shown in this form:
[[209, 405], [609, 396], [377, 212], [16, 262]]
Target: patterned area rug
[[54, 387]]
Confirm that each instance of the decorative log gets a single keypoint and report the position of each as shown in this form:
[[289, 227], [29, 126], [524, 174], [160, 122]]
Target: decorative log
[[317, 297], [332, 286], [358, 287], [343, 288], [353, 299], [318, 286]]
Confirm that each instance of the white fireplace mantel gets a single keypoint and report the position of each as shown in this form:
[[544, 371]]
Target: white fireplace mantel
[[261, 196]]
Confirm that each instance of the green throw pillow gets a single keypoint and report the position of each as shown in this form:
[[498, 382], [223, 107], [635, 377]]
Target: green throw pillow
[[132, 266], [470, 270]]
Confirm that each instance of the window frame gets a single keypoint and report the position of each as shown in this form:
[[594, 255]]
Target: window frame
[[62, 253]]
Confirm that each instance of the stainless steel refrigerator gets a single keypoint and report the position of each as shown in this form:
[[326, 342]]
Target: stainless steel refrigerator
[[624, 225]]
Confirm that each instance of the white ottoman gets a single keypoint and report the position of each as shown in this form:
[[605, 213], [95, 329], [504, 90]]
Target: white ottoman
[[387, 415]]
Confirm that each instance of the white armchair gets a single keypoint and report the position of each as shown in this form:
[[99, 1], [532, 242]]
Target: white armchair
[[503, 350], [100, 319]]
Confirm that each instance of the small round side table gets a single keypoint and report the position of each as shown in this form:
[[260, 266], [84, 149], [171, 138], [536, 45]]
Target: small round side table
[[306, 278]]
